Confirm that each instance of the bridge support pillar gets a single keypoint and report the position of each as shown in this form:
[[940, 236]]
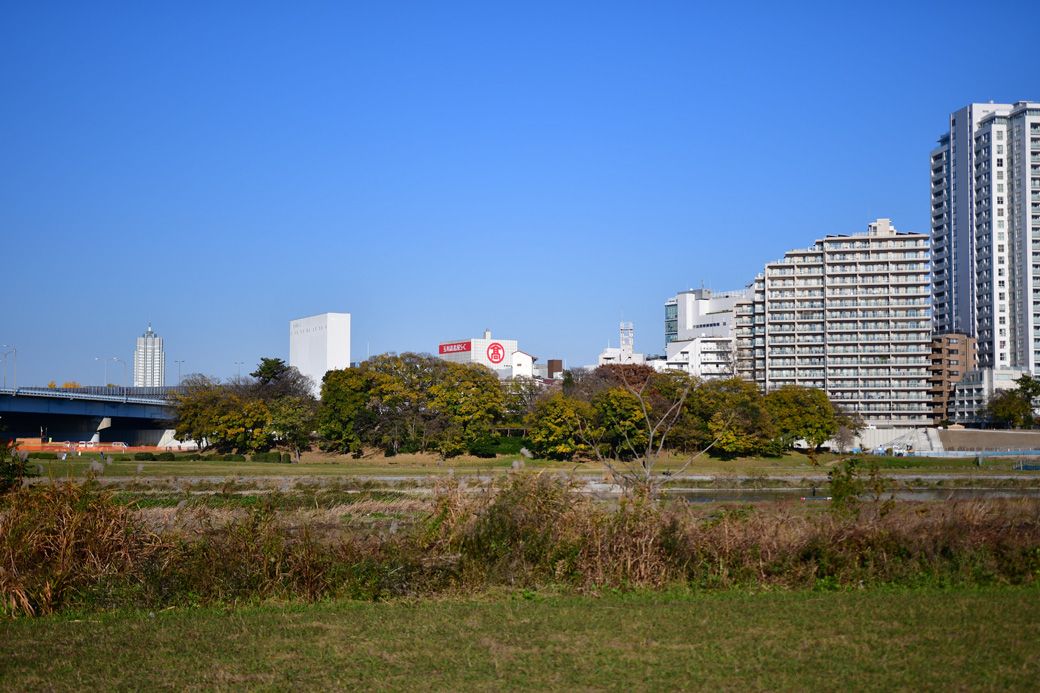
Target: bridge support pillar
[[105, 423]]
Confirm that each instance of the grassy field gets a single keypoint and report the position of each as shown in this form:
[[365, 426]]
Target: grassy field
[[922, 639], [315, 465]]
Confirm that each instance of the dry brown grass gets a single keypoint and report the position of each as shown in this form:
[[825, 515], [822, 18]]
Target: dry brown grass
[[69, 544]]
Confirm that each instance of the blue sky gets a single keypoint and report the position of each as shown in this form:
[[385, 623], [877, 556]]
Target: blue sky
[[544, 170]]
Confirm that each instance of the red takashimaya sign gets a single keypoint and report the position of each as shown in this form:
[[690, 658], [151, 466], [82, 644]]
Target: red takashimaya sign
[[496, 352], [455, 347]]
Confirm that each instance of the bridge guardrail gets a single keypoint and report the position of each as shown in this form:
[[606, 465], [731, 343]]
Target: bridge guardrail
[[59, 394]]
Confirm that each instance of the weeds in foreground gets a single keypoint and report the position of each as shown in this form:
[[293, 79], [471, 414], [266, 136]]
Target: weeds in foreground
[[68, 545]]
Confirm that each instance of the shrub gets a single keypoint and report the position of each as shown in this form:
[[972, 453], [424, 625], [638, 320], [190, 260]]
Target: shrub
[[484, 447], [166, 457], [43, 455], [286, 458], [510, 445], [266, 457], [144, 457], [13, 466], [57, 541]]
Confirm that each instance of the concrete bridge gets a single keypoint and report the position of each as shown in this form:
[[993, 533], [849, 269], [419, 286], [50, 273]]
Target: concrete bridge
[[136, 416]]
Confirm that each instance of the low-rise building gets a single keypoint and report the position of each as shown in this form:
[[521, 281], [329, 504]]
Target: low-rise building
[[973, 392]]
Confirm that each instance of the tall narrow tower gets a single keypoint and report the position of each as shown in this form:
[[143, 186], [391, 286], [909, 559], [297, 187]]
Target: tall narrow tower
[[628, 338], [149, 360]]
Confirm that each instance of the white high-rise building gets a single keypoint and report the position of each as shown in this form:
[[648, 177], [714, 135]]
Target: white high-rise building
[[149, 360], [699, 330], [985, 179], [848, 315], [319, 344]]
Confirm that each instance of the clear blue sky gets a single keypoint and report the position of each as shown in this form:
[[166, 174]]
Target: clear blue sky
[[541, 169]]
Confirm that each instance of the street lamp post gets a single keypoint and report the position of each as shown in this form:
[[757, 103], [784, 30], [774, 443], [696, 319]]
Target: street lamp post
[[116, 358], [239, 364], [104, 362], [179, 370], [10, 350]]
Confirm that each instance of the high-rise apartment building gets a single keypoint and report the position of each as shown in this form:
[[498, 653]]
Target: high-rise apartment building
[[986, 232], [149, 360], [848, 315]]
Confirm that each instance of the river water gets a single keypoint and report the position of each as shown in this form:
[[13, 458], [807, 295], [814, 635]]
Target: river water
[[706, 495]]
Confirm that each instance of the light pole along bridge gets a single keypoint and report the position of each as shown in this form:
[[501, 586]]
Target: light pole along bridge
[[136, 416]]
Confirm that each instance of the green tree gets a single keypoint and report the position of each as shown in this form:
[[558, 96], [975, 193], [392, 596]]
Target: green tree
[[274, 378], [243, 426], [217, 416], [270, 370], [732, 416], [557, 426], [345, 418], [1010, 408], [801, 413], [520, 395], [622, 422], [404, 420], [293, 419], [470, 400]]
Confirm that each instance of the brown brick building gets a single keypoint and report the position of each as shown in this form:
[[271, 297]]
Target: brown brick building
[[953, 356]]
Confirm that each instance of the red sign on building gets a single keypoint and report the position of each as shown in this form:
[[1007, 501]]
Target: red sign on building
[[496, 352], [455, 347]]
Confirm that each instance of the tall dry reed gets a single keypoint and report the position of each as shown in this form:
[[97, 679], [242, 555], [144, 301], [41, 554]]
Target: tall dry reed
[[74, 545]]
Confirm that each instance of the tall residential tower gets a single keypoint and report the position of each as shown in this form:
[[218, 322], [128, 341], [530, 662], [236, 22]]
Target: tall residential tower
[[149, 360], [985, 178]]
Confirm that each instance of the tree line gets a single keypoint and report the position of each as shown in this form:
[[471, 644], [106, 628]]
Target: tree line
[[411, 403]]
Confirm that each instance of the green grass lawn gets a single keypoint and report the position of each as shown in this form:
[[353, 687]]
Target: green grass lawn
[[929, 640]]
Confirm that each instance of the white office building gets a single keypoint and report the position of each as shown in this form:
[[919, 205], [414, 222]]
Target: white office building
[[319, 344], [848, 315], [985, 207], [699, 332], [149, 360]]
